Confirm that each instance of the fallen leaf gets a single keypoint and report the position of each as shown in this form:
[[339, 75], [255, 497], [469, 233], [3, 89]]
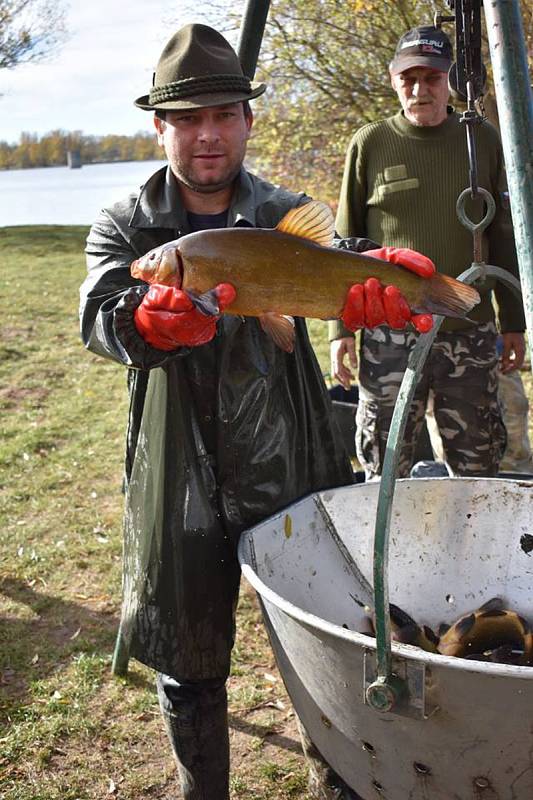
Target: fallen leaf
[[276, 704]]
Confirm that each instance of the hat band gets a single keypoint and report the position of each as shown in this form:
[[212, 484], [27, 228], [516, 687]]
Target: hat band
[[203, 84]]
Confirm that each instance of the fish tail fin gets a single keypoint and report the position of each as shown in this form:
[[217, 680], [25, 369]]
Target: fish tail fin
[[449, 297]]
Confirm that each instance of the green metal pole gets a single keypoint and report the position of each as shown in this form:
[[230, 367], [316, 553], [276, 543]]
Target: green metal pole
[[251, 34], [515, 110], [385, 693], [121, 654]]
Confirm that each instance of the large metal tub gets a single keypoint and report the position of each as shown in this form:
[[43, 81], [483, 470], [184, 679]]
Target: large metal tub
[[454, 543]]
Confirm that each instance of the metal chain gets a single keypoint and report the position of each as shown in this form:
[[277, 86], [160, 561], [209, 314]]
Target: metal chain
[[467, 15], [469, 79]]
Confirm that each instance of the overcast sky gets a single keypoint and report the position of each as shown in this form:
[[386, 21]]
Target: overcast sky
[[106, 63]]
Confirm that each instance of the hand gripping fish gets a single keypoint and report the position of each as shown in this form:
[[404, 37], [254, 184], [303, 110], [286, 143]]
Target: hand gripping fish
[[291, 270]]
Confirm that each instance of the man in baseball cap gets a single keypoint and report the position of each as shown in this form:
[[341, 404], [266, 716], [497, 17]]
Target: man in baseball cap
[[402, 178], [419, 75], [422, 47]]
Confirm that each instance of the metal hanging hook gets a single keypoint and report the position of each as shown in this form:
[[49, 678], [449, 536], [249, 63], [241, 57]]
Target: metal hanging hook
[[476, 228]]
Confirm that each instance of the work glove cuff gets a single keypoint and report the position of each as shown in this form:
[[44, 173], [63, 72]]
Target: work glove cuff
[[139, 353]]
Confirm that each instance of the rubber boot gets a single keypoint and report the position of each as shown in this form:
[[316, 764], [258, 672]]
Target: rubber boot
[[324, 783], [196, 719]]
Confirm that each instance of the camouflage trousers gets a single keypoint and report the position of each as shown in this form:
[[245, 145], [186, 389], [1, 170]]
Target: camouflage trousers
[[515, 405], [461, 381]]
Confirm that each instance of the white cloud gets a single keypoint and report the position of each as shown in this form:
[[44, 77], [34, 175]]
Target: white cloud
[[105, 65]]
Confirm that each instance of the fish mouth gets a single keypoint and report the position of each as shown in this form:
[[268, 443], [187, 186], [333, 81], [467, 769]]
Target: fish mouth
[[136, 269]]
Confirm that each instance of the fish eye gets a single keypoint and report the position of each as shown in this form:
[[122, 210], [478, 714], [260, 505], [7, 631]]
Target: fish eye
[[152, 256]]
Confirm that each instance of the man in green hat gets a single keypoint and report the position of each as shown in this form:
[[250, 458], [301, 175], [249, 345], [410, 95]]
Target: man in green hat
[[225, 427]]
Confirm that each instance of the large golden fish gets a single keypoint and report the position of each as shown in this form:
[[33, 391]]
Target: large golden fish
[[292, 269], [492, 633]]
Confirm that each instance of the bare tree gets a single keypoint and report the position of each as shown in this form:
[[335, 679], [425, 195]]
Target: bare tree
[[30, 30]]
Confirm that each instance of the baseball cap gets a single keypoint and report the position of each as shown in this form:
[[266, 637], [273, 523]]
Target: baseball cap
[[422, 47]]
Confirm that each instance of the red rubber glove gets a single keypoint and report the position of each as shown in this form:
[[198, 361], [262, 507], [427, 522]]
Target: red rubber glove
[[169, 318], [370, 304]]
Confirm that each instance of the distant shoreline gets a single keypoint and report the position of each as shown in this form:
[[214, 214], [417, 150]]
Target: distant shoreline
[[57, 148], [83, 164]]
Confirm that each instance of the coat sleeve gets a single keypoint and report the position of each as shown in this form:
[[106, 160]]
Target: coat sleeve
[[351, 215], [109, 297], [502, 250], [351, 212]]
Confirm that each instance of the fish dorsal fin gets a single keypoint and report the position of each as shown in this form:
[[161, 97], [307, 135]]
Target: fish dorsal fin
[[464, 625], [494, 604], [431, 635], [399, 617], [312, 221]]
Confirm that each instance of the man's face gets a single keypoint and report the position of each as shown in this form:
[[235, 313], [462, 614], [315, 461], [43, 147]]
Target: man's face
[[205, 147], [423, 93]]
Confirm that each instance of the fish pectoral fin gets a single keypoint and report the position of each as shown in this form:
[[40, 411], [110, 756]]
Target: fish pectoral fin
[[312, 221], [280, 328]]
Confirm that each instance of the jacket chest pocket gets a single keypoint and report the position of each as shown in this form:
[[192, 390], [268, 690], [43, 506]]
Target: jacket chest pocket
[[396, 179]]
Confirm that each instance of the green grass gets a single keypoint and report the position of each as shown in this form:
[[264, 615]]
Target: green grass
[[63, 422], [68, 729]]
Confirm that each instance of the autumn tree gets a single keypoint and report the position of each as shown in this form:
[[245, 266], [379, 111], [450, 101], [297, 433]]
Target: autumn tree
[[326, 65], [50, 150], [29, 30]]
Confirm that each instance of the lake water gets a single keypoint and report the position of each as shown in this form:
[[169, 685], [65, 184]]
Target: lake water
[[63, 196]]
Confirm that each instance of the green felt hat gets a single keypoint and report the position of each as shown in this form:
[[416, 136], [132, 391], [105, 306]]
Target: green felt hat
[[198, 68]]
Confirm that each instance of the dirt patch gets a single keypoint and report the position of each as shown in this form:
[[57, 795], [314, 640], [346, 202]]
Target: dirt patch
[[17, 396]]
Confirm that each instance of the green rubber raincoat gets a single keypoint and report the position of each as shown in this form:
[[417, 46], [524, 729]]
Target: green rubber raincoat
[[219, 436]]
